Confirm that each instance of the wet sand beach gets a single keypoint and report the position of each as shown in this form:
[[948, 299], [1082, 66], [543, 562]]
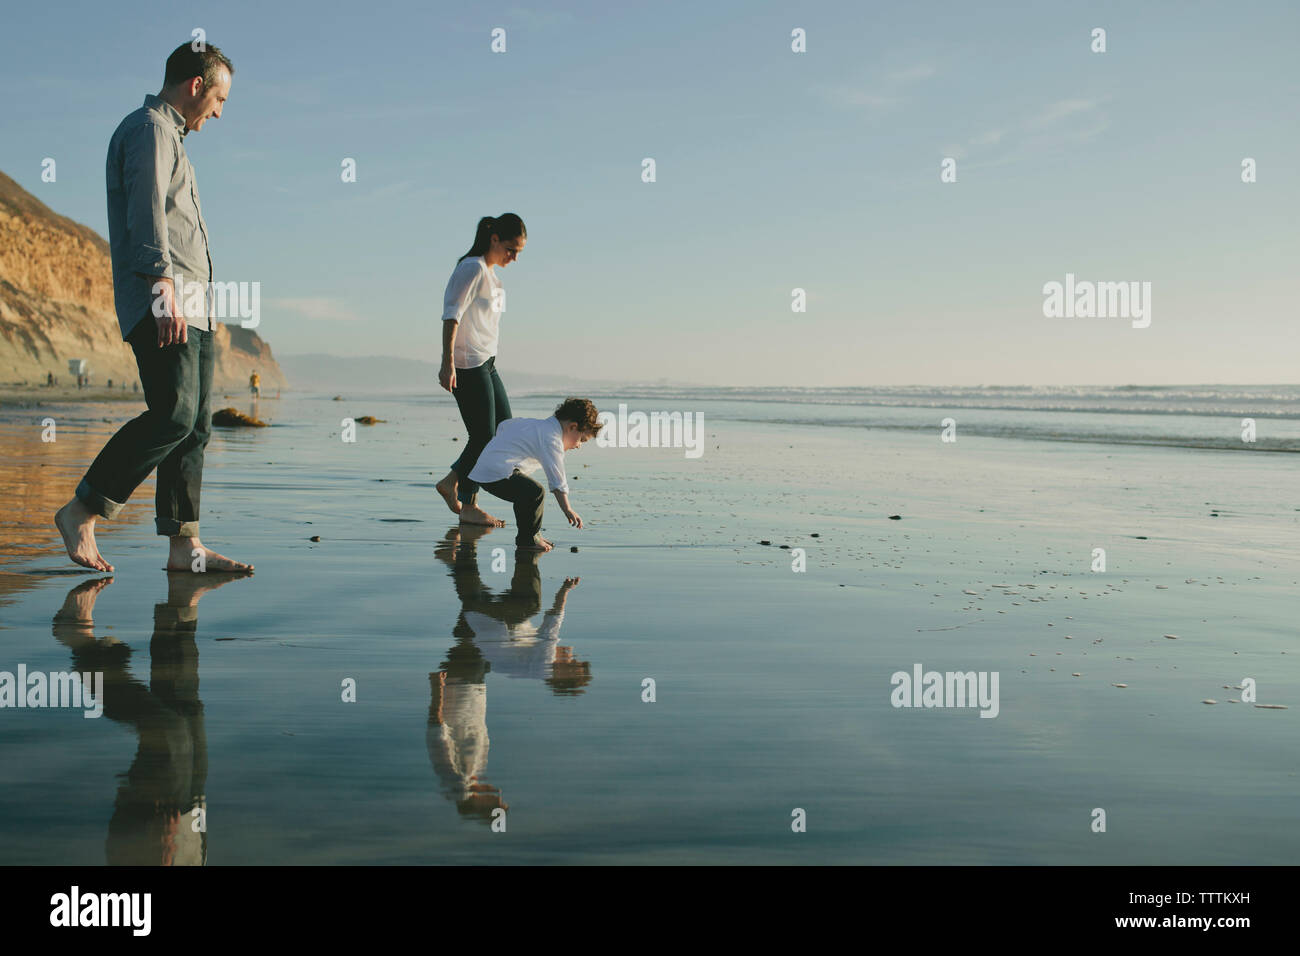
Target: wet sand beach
[[482, 682]]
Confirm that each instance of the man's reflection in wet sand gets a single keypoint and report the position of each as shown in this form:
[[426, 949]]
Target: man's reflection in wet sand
[[493, 632], [154, 818]]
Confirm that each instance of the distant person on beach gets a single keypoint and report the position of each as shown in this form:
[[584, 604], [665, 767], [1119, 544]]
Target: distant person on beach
[[472, 307], [157, 237], [255, 385], [522, 444]]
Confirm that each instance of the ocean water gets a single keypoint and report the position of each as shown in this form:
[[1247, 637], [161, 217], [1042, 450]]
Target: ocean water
[[495, 689], [1207, 416]]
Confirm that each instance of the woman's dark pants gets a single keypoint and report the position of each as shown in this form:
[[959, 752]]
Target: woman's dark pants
[[483, 404]]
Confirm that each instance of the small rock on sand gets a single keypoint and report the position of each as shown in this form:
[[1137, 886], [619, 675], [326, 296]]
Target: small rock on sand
[[370, 420], [1172, 637], [1271, 706], [1209, 701], [765, 542], [895, 517], [1119, 685], [314, 537], [574, 549], [1076, 674], [232, 418]]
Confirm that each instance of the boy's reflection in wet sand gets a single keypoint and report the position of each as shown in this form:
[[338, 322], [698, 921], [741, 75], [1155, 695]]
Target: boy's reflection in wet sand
[[493, 632], [153, 820]]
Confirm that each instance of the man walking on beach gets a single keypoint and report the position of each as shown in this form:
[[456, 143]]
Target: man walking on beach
[[159, 241]]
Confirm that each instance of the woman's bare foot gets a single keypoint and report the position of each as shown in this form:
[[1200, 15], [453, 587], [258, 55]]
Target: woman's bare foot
[[447, 488], [76, 523], [473, 514], [182, 558], [541, 545]]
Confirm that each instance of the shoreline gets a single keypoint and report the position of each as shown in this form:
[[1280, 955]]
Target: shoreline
[[39, 396]]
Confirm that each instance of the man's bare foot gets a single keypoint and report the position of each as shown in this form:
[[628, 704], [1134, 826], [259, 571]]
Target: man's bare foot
[[447, 488], [541, 545], [182, 557], [473, 514], [76, 523]]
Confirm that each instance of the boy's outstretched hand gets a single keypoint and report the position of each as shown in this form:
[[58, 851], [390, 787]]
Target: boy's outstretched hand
[[575, 519]]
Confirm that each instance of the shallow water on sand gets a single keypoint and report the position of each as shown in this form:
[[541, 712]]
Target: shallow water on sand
[[482, 683]]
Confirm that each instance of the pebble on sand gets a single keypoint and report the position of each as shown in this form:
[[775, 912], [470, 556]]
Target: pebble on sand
[[895, 517], [1209, 701], [1076, 674], [574, 549], [1172, 637], [314, 537], [765, 542], [1271, 706], [1119, 685], [370, 420]]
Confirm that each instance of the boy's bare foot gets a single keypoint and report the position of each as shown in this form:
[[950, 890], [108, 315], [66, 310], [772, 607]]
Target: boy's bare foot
[[447, 488], [76, 523], [473, 514], [541, 545], [182, 558]]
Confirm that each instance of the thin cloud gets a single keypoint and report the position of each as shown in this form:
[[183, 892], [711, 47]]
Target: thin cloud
[[1060, 110], [881, 95], [1067, 122]]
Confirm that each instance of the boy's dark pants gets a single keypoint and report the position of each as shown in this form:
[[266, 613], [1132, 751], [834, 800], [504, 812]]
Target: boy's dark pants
[[528, 498], [169, 436], [483, 404]]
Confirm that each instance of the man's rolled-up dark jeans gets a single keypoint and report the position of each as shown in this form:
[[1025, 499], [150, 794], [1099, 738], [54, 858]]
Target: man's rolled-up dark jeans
[[528, 497], [169, 436]]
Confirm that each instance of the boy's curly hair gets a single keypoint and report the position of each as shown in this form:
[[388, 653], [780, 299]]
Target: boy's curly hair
[[582, 412]]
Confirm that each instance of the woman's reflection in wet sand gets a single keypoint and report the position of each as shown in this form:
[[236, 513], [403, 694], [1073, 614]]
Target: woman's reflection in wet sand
[[493, 632], [159, 815]]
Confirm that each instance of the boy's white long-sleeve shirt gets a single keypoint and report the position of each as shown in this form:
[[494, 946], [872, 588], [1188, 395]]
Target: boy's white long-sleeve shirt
[[526, 444]]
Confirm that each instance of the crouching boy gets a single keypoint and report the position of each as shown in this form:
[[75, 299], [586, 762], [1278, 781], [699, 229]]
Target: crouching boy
[[521, 445]]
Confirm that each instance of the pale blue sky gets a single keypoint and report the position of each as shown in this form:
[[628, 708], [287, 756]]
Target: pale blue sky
[[776, 170]]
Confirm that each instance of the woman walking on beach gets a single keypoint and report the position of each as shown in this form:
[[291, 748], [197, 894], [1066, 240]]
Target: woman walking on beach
[[472, 307]]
